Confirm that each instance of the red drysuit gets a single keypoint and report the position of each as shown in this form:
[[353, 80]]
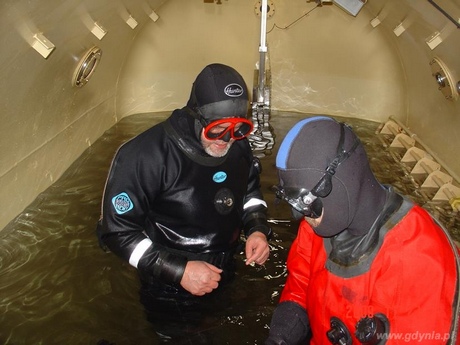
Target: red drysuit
[[412, 280]]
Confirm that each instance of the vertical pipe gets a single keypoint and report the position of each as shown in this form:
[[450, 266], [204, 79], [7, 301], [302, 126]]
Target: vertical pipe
[[262, 51], [262, 138]]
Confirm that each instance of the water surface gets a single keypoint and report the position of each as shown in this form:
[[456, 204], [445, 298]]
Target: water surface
[[58, 287]]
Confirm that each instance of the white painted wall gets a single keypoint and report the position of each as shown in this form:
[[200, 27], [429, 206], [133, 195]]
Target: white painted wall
[[428, 114], [167, 56], [46, 123], [327, 62]]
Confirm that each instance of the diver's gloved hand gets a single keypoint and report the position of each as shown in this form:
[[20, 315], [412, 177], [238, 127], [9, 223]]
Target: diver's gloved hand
[[289, 325]]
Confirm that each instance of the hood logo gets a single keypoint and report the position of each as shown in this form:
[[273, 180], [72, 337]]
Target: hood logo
[[233, 90], [219, 177]]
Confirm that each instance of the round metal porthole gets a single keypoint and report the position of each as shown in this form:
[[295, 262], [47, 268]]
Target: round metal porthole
[[87, 66], [443, 79]]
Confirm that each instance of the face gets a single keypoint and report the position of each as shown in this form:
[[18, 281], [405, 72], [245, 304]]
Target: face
[[216, 148]]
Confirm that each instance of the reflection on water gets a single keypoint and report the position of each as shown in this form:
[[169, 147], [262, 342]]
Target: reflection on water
[[58, 287]]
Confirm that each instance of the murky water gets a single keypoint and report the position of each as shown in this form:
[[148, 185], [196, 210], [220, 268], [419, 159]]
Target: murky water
[[58, 287]]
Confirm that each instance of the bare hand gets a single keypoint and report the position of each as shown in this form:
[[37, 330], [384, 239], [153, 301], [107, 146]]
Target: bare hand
[[257, 249], [200, 277]]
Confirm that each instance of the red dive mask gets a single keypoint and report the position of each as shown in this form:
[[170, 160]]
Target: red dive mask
[[236, 128]]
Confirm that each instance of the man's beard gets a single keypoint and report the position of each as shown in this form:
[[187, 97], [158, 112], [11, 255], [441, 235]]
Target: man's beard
[[220, 153]]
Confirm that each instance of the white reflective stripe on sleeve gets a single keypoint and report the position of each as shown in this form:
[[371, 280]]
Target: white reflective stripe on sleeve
[[139, 251], [254, 202]]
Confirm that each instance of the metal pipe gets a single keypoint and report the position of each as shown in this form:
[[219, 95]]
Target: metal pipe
[[262, 51], [447, 15]]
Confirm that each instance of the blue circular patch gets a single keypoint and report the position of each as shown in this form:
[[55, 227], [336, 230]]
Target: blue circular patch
[[219, 177]]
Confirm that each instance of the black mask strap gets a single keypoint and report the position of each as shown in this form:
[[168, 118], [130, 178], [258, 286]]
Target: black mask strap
[[324, 187]]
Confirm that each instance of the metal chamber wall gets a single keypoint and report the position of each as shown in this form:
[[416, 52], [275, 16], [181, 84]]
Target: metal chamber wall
[[322, 60]]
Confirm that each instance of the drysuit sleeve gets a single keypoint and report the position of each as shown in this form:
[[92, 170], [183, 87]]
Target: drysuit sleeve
[[290, 323], [255, 207], [133, 182], [298, 267]]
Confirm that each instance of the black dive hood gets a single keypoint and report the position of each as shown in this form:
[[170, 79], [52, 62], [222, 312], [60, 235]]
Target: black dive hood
[[309, 154], [219, 91]]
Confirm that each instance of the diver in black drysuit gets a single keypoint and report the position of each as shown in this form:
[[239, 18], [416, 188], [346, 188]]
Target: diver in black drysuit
[[168, 202]]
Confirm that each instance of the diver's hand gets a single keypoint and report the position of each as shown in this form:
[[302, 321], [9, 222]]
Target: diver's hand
[[200, 277], [257, 249]]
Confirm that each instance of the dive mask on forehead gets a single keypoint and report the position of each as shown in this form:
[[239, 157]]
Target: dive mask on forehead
[[309, 203]]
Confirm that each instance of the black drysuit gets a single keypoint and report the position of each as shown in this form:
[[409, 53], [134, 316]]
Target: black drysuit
[[166, 202]]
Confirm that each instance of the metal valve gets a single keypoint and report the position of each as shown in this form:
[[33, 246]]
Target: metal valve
[[371, 330], [338, 334]]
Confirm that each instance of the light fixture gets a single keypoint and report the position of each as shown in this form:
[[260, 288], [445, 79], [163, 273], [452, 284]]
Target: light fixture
[[131, 22], [42, 45], [98, 30], [434, 40], [375, 22], [398, 30], [154, 16]]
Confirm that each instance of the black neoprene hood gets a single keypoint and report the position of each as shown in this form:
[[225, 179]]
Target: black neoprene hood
[[305, 154], [219, 91]]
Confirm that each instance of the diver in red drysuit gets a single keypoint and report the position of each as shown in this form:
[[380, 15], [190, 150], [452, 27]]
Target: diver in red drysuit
[[368, 266]]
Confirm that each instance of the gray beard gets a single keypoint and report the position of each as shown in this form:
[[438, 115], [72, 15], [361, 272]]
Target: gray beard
[[213, 154]]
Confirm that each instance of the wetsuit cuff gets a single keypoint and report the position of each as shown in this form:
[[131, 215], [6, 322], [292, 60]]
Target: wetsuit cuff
[[171, 268], [267, 231], [163, 266]]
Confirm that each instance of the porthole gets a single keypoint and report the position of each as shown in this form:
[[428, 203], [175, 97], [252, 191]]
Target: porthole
[[443, 79], [87, 66]]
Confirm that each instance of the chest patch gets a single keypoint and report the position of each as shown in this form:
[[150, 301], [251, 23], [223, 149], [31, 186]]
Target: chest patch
[[219, 177]]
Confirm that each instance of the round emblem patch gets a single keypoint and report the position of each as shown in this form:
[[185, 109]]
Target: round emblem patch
[[122, 203], [219, 177]]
